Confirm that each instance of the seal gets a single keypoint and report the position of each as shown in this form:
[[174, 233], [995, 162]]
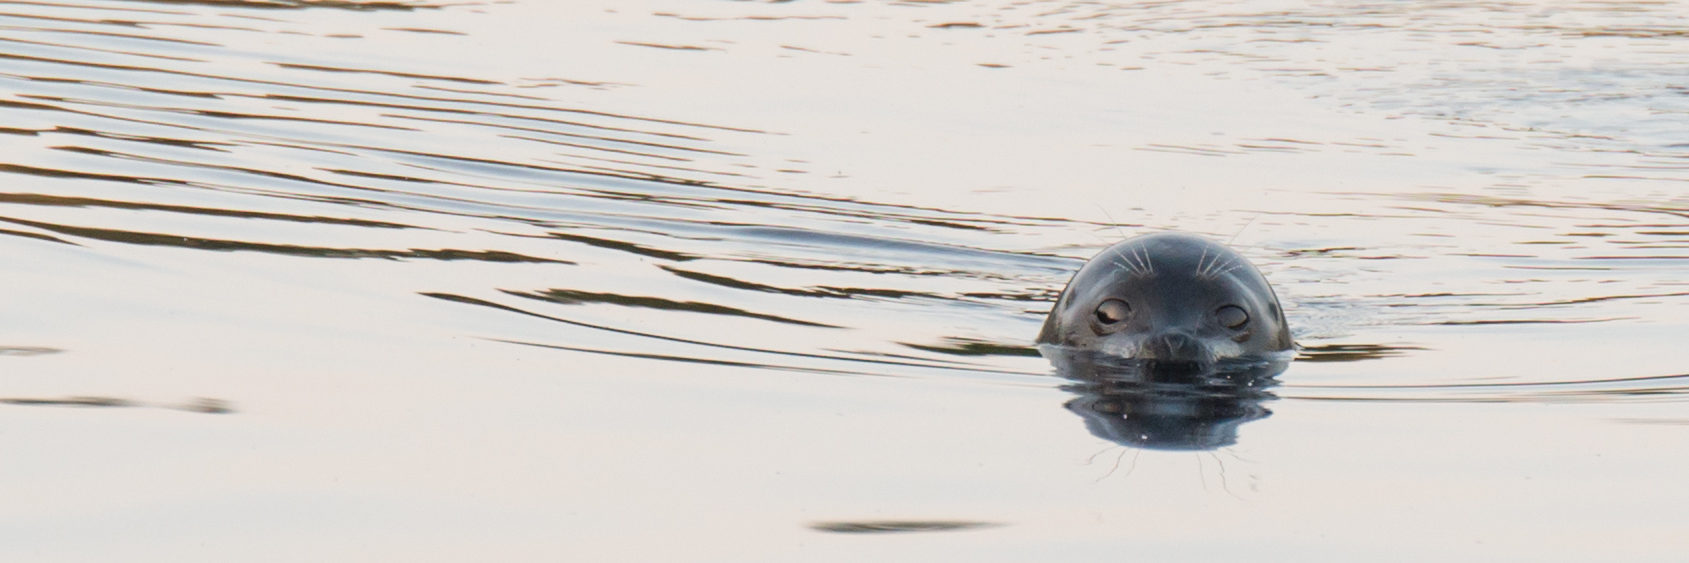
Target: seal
[[1172, 299]]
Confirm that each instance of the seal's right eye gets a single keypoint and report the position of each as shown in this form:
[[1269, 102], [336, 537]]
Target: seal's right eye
[[1113, 311], [1233, 316]]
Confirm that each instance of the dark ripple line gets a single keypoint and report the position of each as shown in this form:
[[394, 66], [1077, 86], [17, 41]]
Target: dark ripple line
[[621, 246], [48, 107], [100, 50], [109, 34], [127, 23], [558, 143], [1491, 201], [612, 140], [577, 297], [957, 366], [1669, 394], [819, 292], [351, 5], [360, 103], [1483, 400], [395, 74], [981, 219], [66, 201], [185, 163], [438, 109], [36, 236], [638, 164], [480, 92], [150, 70], [1579, 301], [212, 113], [57, 173], [565, 134], [200, 243], [215, 146], [101, 8], [691, 359], [1528, 321], [304, 179], [341, 200], [1508, 385]]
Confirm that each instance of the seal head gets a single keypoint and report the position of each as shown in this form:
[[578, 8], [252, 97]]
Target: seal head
[[1170, 298]]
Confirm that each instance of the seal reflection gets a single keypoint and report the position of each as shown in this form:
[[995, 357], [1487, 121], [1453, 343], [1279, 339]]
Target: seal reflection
[[1160, 406]]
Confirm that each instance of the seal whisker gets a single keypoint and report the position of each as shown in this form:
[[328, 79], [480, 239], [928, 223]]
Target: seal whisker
[[1230, 265], [1105, 450], [1117, 459], [1202, 472], [1225, 483], [1111, 221], [1207, 271], [1111, 469], [1143, 259], [1219, 268], [1125, 262], [1215, 269], [1124, 267], [1137, 266], [1245, 228]]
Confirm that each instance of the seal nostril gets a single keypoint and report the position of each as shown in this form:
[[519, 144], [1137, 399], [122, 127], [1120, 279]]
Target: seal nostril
[[1175, 347]]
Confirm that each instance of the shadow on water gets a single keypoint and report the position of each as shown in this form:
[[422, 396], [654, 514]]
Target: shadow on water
[[28, 350], [898, 526], [203, 405], [1144, 405], [374, 5]]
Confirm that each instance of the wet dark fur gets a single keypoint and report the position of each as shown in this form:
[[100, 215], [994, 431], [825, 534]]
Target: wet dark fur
[[1174, 284]]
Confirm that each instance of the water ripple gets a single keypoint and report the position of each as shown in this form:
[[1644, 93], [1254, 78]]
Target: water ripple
[[1650, 388]]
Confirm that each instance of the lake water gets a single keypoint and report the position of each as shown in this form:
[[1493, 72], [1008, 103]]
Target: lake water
[[702, 280]]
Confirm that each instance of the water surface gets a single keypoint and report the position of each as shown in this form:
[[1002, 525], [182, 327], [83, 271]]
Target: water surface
[[708, 280]]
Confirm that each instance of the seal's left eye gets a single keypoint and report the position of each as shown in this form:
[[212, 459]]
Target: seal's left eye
[[1113, 311], [1232, 316]]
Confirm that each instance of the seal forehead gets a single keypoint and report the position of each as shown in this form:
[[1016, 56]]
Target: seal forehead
[[1168, 254], [1131, 259]]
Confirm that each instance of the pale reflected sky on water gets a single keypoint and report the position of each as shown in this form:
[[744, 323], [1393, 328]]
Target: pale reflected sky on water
[[701, 280]]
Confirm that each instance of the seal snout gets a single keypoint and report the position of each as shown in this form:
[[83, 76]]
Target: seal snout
[[1176, 346]]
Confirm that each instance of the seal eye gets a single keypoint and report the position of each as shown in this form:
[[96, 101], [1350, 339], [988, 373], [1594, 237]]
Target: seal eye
[[1113, 311], [1232, 316]]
